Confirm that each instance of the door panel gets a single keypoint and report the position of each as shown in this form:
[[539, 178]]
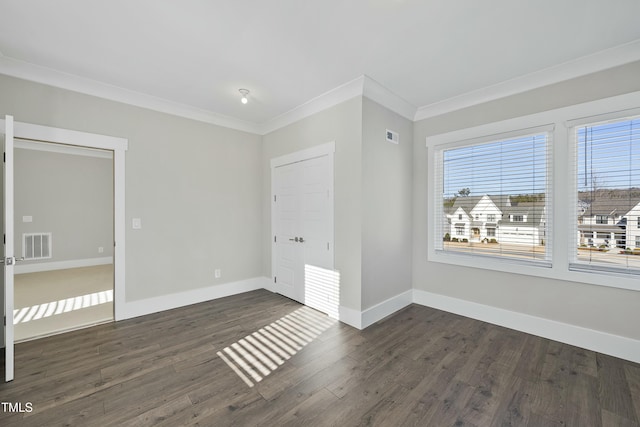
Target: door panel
[[304, 232], [8, 255], [288, 256]]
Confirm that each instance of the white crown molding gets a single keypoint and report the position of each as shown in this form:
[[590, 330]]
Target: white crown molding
[[589, 64], [27, 71], [383, 96], [360, 86], [320, 103]]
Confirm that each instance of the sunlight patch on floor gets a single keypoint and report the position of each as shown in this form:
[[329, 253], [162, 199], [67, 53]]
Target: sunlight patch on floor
[[48, 309], [257, 355]]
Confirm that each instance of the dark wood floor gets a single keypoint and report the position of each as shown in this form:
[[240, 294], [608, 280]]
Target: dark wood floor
[[230, 362]]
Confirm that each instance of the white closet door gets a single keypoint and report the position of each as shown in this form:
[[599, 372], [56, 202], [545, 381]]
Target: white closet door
[[304, 231]]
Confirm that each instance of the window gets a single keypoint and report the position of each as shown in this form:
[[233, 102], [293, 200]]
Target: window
[[498, 174], [595, 150], [607, 164], [460, 217], [637, 241], [460, 231]]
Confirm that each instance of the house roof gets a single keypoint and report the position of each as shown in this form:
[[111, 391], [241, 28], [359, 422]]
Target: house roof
[[613, 202], [534, 214]]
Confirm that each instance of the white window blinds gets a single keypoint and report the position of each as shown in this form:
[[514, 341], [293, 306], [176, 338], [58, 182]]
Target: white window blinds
[[606, 196], [493, 197]]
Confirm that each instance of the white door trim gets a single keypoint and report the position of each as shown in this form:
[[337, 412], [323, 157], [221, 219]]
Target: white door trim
[[118, 146], [326, 149], [302, 155]]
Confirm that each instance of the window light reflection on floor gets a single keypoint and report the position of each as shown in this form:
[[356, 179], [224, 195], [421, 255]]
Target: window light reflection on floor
[[257, 355], [322, 289], [48, 309]]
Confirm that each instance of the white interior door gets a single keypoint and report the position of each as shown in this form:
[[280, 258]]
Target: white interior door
[[8, 259], [303, 241], [289, 275]]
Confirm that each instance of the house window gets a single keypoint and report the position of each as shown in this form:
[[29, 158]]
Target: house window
[[607, 161], [637, 241], [460, 231], [498, 172], [597, 142], [491, 232], [460, 217], [491, 218]]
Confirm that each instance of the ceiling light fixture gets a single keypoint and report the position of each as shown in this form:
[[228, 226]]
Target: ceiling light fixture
[[245, 94]]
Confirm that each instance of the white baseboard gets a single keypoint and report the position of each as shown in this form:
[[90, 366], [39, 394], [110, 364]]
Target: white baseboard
[[601, 342], [350, 316], [268, 284], [61, 265], [130, 309], [363, 319], [379, 311]]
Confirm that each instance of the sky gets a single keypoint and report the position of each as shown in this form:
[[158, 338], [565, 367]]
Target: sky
[[608, 156]]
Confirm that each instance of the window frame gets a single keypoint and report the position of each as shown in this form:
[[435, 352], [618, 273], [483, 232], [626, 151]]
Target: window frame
[[572, 125], [506, 135], [562, 216]]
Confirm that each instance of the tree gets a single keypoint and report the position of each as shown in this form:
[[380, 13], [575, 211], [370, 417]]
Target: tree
[[464, 192]]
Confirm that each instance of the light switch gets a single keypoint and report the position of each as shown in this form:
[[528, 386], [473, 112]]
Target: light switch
[[27, 218], [136, 224]]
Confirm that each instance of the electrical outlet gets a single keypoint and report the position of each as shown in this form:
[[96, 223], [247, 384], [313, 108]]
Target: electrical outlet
[[100, 250], [218, 273]]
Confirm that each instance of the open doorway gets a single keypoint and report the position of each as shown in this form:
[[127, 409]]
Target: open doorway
[[64, 220]]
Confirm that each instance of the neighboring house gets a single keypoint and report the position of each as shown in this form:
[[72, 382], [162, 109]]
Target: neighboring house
[[523, 223], [603, 218], [633, 227], [477, 218]]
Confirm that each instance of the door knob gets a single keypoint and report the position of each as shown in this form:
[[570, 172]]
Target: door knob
[[301, 240], [294, 240]]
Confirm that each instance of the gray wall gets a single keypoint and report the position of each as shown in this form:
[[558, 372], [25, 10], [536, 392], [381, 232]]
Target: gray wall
[[196, 186], [373, 196], [342, 124], [387, 229], [600, 308], [70, 196]]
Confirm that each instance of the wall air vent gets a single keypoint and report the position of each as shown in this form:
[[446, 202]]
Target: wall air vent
[[36, 246], [393, 137]]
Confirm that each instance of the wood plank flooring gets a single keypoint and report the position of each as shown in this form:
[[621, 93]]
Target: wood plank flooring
[[258, 359]]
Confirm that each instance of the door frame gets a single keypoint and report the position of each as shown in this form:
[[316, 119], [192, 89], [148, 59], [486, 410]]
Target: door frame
[[119, 146], [326, 149]]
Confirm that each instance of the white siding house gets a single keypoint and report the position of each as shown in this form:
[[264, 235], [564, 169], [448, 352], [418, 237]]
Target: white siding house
[[633, 227]]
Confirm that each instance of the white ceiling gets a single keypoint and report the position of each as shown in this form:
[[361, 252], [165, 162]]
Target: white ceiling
[[198, 53]]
